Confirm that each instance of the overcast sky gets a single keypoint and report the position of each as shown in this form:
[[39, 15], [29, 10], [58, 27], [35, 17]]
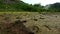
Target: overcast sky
[[42, 2]]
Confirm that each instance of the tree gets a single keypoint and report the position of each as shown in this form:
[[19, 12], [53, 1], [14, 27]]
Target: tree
[[54, 7]]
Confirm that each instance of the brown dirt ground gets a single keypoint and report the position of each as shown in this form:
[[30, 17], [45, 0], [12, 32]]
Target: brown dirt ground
[[30, 23]]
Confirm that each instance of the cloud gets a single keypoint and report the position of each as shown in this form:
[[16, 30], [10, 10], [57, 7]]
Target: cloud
[[43, 2]]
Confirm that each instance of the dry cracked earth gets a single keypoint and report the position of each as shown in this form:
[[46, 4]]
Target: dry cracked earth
[[30, 23]]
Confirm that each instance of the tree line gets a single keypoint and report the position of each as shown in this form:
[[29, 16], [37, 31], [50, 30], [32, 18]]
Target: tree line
[[29, 7]]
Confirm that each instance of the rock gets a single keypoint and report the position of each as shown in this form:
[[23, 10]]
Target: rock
[[34, 29], [35, 19], [47, 26], [42, 18]]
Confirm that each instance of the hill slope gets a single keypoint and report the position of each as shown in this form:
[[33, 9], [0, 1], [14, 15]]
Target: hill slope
[[18, 5], [10, 4]]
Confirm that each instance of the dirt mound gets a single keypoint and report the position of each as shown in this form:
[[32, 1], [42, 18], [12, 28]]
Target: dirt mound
[[17, 28]]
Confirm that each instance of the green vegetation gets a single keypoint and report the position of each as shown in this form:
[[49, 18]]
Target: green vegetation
[[17, 5], [55, 7]]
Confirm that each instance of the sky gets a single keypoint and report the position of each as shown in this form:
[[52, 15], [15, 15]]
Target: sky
[[42, 2]]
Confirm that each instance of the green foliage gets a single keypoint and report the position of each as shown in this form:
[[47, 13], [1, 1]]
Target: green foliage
[[19, 5], [55, 7]]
